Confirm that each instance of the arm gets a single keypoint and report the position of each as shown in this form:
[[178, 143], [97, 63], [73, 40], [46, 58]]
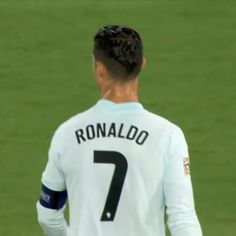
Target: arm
[[182, 218], [52, 221], [51, 205]]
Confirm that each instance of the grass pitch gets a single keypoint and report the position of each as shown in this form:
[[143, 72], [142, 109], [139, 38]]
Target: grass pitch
[[45, 78]]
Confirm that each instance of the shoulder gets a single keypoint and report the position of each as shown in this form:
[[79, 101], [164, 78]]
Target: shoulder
[[172, 136], [169, 133], [74, 121], [161, 122], [64, 130]]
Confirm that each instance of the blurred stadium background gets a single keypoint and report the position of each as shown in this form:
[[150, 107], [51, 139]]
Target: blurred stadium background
[[45, 78]]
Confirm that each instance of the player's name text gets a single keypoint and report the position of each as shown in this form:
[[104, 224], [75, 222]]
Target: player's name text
[[108, 130]]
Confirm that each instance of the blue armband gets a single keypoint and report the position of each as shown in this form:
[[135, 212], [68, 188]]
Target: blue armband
[[52, 199]]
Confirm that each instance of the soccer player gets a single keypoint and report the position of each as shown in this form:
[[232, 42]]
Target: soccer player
[[121, 166]]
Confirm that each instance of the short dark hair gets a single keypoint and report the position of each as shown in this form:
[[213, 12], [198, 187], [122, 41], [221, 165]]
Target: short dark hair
[[120, 49]]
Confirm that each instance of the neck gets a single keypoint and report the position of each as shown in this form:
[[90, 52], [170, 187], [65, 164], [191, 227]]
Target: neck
[[120, 92]]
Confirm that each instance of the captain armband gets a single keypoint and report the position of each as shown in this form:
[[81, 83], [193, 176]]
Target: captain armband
[[52, 199]]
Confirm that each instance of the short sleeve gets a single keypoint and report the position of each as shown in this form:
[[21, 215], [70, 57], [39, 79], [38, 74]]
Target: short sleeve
[[53, 176]]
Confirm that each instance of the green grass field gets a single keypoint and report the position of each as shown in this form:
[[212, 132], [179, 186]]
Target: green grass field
[[45, 78]]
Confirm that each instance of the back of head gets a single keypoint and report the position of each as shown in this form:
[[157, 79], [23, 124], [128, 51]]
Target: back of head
[[120, 49]]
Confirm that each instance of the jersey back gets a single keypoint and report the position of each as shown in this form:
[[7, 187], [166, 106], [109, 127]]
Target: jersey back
[[112, 159]]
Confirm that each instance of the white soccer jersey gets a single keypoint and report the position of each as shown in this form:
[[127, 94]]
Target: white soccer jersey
[[121, 166]]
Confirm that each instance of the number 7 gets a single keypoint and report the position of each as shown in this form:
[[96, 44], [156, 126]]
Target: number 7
[[113, 197]]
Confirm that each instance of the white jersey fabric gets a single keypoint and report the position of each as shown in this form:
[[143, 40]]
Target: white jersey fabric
[[149, 154]]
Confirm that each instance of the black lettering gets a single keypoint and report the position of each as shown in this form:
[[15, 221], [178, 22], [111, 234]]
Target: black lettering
[[120, 131], [101, 130], [90, 132], [80, 135], [130, 135], [112, 130], [142, 137]]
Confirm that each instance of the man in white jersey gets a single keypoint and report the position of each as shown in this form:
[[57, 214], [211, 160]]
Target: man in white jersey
[[120, 166]]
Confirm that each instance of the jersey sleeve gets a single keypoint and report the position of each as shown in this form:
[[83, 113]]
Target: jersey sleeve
[[181, 216], [52, 221], [51, 218], [53, 176]]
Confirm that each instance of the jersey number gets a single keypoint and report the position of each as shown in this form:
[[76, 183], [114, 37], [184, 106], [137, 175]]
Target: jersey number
[[121, 166]]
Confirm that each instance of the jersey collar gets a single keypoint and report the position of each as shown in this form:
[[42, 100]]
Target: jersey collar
[[110, 106]]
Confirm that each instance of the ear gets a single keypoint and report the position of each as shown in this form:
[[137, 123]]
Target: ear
[[99, 69], [144, 63]]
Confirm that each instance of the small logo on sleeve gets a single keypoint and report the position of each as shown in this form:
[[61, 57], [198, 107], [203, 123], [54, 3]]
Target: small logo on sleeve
[[45, 197], [186, 166]]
